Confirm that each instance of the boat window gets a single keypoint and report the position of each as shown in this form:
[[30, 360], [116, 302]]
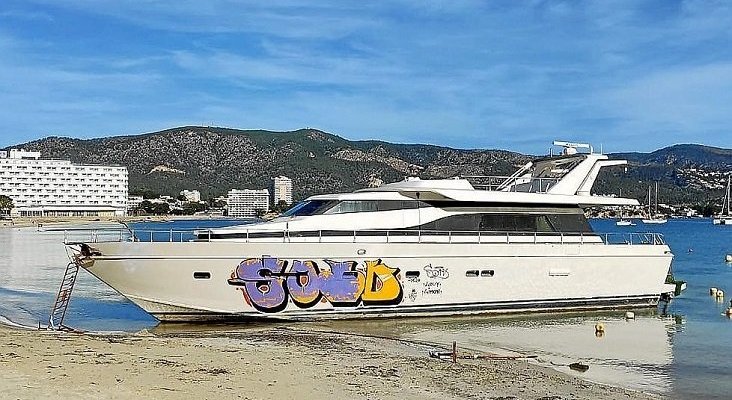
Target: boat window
[[309, 207], [351, 206], [571, 223], [412, 274], [202, 275], [472, 273], [487, 273]]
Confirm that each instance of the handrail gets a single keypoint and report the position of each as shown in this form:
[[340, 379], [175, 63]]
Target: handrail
[[359, 236], [511, 183]]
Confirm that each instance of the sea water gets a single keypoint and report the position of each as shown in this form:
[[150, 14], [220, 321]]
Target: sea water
[[683, 351]]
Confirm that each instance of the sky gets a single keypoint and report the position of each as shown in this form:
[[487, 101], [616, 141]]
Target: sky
[[625, 75]]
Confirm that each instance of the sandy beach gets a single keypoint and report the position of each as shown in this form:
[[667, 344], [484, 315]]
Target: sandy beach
[[269, 363]]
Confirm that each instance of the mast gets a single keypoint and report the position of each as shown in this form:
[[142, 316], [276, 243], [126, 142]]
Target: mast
[[727, 196], [649, 202], [655, 204]]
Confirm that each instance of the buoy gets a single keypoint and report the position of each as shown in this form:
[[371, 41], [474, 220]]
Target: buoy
[[720, 294], [728, 258], [713, 291], [630, 315]]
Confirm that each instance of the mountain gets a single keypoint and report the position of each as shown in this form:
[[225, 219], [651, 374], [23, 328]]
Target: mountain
[[214, 160]]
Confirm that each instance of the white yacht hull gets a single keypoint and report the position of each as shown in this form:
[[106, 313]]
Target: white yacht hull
[[722, 221], [351, 280]]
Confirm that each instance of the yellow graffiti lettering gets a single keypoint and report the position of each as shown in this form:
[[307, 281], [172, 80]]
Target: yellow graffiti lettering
[[382, 285]]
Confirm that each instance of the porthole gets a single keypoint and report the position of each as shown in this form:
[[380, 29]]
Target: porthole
[[201, 275]]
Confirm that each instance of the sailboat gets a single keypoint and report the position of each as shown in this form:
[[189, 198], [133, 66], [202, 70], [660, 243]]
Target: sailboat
[[724, 217], [622, 221], [654, 218]]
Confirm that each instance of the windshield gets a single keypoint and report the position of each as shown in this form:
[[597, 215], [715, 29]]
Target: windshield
[[309, 207]]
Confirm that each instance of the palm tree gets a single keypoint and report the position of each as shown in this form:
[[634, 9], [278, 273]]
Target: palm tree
[[6, 204]]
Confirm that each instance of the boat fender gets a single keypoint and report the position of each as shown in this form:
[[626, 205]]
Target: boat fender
[[713, 291]]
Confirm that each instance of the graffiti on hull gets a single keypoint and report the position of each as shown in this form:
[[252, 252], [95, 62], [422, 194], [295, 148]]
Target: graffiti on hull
[[268, 283]]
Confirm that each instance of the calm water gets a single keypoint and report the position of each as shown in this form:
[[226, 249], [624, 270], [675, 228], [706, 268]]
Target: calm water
[[683, 353]]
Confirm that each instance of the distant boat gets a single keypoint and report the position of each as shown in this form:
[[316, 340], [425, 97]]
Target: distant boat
[[624, 222], [724, 217], [654, 217]]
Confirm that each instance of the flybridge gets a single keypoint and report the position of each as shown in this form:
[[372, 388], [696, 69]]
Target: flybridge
[[567, 178]]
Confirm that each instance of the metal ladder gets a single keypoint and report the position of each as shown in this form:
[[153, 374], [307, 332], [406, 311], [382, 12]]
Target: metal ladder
[[58, 312]]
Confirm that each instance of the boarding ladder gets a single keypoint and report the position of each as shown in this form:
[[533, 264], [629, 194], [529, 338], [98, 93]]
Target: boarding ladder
[[58, 312]]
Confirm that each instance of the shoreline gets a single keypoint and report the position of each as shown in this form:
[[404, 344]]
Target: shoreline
[[266, 363], [25, 222]]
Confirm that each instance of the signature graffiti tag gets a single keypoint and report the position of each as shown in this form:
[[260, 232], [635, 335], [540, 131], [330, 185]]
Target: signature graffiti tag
[[436, 272], [267, 283]]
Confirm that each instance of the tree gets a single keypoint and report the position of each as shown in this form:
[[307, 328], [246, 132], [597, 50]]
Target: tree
[[161, 208], [280, 207], [192, 208], [6, 204]]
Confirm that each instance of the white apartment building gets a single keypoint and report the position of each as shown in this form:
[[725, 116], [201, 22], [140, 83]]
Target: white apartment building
[[246, 202], [58, 188], [193, 196], [281, 190], [134, 202]]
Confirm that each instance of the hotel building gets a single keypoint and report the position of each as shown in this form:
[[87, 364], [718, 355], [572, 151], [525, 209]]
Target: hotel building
[[245, 203], [281, 190], [58, 188]]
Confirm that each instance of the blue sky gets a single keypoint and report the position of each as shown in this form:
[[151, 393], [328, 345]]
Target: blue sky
[[630, 75]]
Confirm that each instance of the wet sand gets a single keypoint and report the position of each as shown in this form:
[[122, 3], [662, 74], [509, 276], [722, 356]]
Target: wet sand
[[267, 363]]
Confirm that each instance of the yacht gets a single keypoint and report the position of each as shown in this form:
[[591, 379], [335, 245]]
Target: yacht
[[724, 217], [467, 245]]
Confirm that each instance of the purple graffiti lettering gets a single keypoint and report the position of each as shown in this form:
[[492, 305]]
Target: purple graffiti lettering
[[303, 283], [343, 284], [263, 283]]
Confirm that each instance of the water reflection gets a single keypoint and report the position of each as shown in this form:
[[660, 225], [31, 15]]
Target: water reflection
[[32, 263]]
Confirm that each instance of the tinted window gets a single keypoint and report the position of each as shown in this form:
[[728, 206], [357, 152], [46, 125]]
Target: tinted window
[[350, 206], [309, 207], [510, 223]]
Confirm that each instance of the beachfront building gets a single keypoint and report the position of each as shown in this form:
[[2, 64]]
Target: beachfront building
[[57, 188], [248, 203], [191, 196], [281, 190]]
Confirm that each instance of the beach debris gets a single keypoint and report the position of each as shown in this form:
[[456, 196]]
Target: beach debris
[[713, 291], [629, 315], [448, 355], [599, 329], [578, 366]]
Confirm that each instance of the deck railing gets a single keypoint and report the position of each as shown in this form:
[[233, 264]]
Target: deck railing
[[363, 236], [512, 183]]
